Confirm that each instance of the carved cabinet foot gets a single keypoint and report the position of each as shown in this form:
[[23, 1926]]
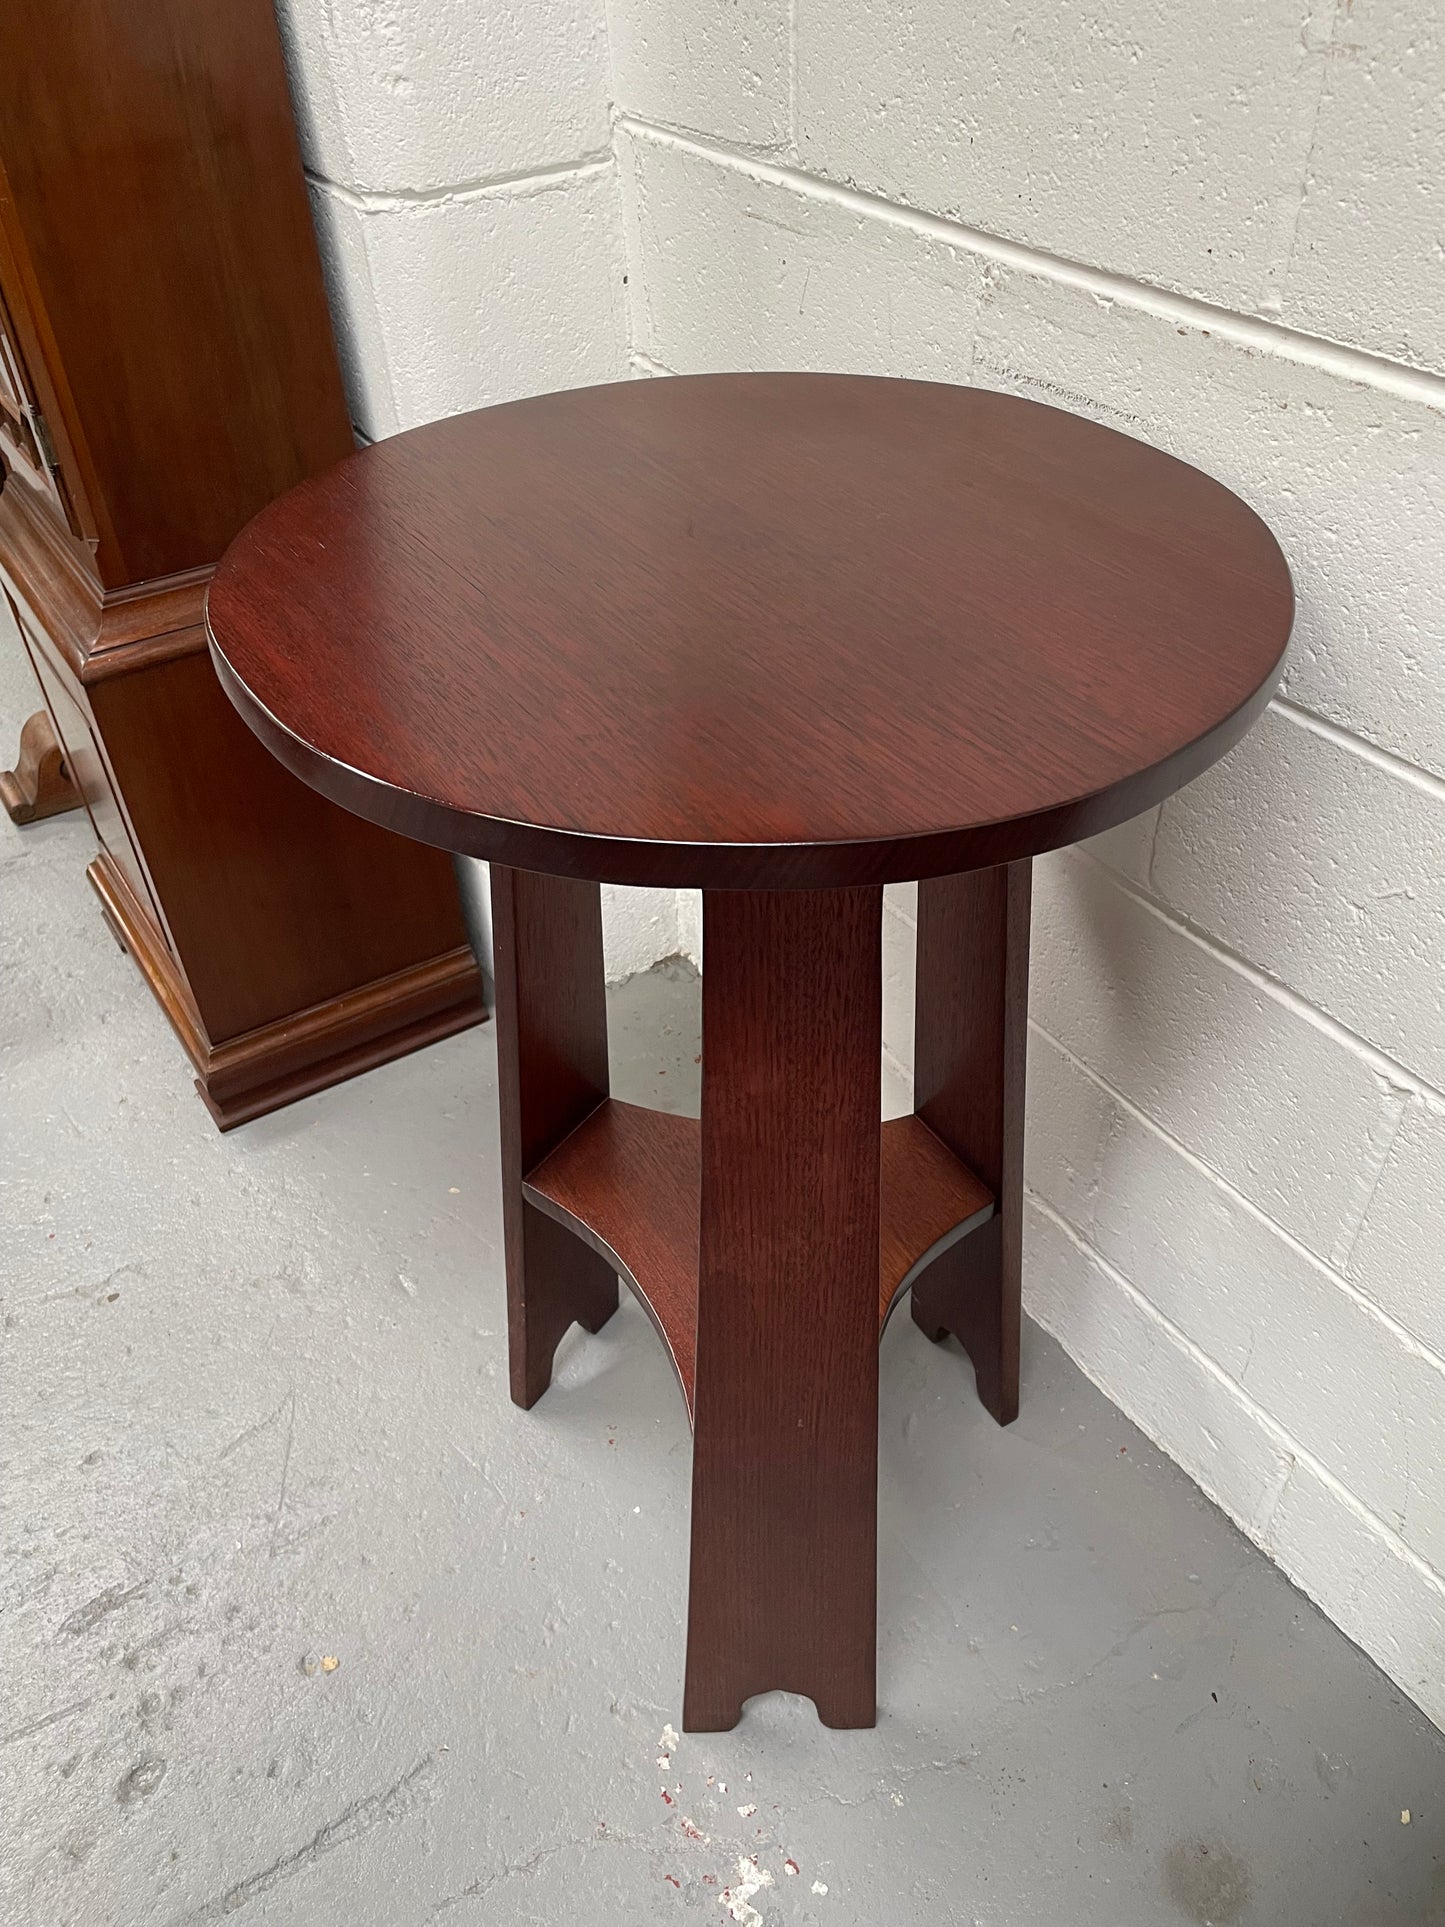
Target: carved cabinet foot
[[39, 785]]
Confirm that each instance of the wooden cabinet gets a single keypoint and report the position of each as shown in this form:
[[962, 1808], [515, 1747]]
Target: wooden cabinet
[[166, 368], [23, 434]]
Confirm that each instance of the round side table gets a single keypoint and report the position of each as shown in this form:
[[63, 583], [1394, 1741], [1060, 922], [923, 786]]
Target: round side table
[[785, 638]]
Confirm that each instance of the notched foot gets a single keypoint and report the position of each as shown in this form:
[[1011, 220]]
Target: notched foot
[[843, 1711], [928, 1323]]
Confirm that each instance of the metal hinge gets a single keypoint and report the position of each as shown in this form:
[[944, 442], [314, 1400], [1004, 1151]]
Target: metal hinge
[[42, 436]]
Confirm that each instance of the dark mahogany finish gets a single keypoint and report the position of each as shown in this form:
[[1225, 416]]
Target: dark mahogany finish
[[627, 1182], [785, 638], [551, 1074], [753, 631], [971, 1027], [161, 272], [166, 368], [785, 1415], [39, 785]]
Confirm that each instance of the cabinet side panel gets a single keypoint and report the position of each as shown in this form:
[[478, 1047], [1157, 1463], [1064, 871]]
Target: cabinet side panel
[[274, 898], [151, 166], [66, 701]]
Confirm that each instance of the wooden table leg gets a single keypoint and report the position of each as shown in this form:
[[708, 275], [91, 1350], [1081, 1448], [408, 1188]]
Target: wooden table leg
[[552, 1073], [785, 1456], [969, 1054]]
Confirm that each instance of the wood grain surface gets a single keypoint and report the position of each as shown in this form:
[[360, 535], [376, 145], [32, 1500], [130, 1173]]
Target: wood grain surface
[[161, 271], [753, 631], [171, 368], [971, 1028], [782, 1587], [626, 1181], [40, 785], [551, 1074]]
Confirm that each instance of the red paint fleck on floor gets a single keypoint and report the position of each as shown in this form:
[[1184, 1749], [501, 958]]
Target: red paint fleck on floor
[[667, 1796], [674, 1879]]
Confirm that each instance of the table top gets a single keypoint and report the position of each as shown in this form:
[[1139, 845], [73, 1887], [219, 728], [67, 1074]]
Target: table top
[[753, 631]]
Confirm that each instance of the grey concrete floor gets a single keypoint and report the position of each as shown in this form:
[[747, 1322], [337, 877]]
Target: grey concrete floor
[[255, 1422]]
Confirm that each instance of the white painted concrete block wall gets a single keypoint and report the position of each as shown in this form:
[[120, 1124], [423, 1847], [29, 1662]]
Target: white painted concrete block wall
[[1218, 230], [466, 197]]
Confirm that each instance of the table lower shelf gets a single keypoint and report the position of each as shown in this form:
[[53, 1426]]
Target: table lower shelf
[[626, 1181]]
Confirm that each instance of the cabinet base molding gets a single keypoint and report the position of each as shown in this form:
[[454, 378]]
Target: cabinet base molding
[[245, 1077]]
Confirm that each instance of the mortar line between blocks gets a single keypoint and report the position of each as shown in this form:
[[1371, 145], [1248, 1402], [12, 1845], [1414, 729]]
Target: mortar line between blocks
[[1387, 760], [1251, 331], [1271, 1427], [1393, 1072], [1402, 1333], [765, 151], [389, 200]]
